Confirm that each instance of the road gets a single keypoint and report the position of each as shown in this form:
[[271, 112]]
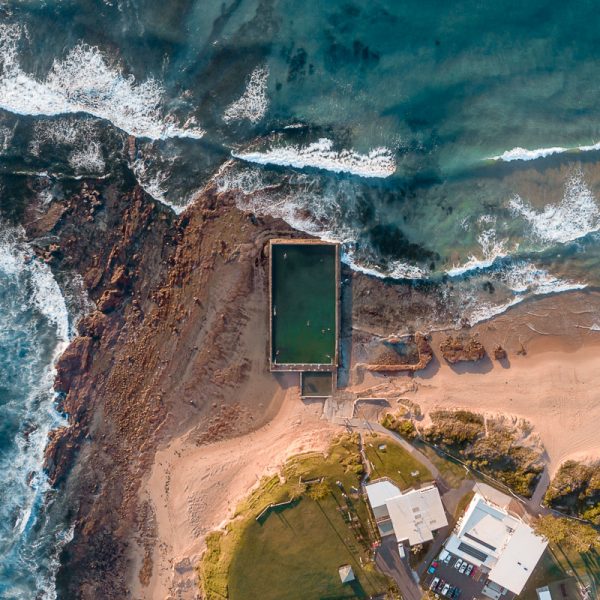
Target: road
[[389, 561]]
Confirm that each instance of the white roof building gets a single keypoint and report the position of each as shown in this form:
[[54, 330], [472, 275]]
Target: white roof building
[[503, 545], [412, 516]]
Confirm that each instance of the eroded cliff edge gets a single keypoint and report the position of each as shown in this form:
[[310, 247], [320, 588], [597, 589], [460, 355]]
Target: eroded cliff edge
[[164, 348]]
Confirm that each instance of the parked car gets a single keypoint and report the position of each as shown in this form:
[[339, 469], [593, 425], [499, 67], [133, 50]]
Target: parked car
[[434, 583], [469, 569], [446, 560], [431, 569], [440, 586], [463, 567], [458, 563], [456, 593], [445, 590]]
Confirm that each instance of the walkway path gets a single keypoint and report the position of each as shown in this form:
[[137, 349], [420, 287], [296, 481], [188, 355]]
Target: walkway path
[[378, 428]]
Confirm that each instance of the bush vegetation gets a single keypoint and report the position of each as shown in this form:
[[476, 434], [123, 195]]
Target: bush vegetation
[[496, 452], [403, 427], [574, 535], [576, 490]]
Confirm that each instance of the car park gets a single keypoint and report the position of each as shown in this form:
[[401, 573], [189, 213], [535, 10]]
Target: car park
[[458, 563], [445, 590], [469, 569], [434, 583], [463, 567]]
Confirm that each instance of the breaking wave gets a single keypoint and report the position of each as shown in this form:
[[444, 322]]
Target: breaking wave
[[522, 280], [253, 103], [379, 162], [524, 154], [576, 215], [84, 82], [491, 247]]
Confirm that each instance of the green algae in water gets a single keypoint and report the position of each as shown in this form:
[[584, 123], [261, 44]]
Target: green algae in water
[[303, 303]]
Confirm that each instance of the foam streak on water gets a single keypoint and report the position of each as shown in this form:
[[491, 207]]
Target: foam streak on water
[[84, 82], [524, 154]]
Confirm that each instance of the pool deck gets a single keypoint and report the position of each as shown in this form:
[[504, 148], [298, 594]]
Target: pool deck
[[275, 366]]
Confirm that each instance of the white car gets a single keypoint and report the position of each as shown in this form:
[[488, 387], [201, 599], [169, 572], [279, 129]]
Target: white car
[[458, 563], [463, 567], [469, 569], [445, 557], [434, 583], [445, 590]]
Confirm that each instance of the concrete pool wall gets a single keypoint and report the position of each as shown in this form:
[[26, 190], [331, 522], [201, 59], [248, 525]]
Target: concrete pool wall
[[304, 297]]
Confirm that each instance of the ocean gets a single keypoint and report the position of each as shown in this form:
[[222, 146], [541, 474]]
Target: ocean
[[445, 144]]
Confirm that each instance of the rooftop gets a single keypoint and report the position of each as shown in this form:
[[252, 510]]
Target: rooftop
[[417, 514], [414, 514], [489, 536]]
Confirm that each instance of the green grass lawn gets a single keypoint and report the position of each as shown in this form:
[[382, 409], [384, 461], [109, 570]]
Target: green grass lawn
[[294, 552], [452, 472], [557, 564], [394, 462]]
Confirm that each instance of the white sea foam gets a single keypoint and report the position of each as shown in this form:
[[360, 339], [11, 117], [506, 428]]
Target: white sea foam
[[253, 103], [491, 247], [394, 269], [576, 215], [45, 296], [524, 154], [524, 280], [84, 82], [379, 162], [88, 159], [154, 180], [306, 211], [33, 290], [6, 136]]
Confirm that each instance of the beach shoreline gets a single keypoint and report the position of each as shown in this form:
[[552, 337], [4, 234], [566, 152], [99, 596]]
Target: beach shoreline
[[548, 380], [173, 366]]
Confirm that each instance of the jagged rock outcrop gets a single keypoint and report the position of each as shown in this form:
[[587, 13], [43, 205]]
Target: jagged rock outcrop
[[500, 353], [424, 353], [461, 349]]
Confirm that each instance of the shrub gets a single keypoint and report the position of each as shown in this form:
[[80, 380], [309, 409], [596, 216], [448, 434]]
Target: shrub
[[403, 427]]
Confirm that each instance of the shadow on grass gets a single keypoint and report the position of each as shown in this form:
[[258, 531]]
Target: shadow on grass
[[277, 510]]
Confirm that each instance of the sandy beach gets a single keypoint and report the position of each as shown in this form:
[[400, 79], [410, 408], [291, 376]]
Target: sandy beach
[[550, 379], [195, 489]]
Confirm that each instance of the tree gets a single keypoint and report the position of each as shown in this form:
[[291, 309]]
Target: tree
[[572, 534], [319, 491]]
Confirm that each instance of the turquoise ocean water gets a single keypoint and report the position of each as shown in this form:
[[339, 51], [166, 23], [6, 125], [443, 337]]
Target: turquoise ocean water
[[446, 143]]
